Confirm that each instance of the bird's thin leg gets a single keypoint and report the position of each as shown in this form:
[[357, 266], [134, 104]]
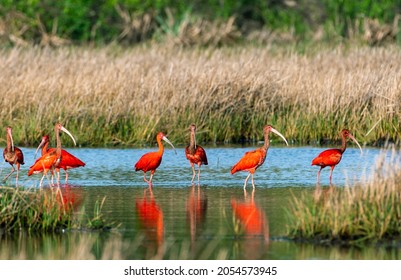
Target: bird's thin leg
[[150, 179], [16, 178], [253, 182], [41, 180], [9, 174], [246, 180], [331, 173], [193, 173], [318, 175], [144, 177], [199, 174], [66, 176], [58, 176]]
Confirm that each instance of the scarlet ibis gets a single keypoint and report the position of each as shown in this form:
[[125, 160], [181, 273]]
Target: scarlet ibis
[[51, 159], [12, 155], [151, 161], [195, 153], [332, 157], [68, 161], [252, 160]]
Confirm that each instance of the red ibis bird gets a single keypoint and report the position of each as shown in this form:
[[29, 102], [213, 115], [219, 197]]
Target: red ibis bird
[[332, 157], [252, 160], [51, 159], [195, 153], [151, 161], [12, 155], [68, 161]]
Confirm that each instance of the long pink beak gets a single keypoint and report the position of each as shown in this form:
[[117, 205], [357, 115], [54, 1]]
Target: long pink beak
[[168, 141], [279, 134]]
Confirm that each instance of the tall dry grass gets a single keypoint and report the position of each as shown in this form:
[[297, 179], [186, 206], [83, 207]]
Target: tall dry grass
[[112, 96], [367, 212]]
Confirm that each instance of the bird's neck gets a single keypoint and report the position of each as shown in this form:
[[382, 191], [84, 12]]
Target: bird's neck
[[344, 144], [266, 145], [161, 148], [45, 148], [58, 147], [192, 145], [9, 143]]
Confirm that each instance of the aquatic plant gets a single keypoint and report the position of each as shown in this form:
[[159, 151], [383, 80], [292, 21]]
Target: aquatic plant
[[48, 210], [366, 212]]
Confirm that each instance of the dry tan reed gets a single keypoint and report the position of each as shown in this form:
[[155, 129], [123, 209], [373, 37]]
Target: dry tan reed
[[113, 96]]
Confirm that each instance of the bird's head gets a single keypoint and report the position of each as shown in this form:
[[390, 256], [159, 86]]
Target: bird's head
[[192, 127], [347, 134], [45, 139], [161, 136], [60, 127], [268, 128]]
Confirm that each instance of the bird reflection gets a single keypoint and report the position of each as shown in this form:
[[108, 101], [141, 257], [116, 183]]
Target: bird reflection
[[196, 210], [67, 196], [254, 224], [151, 218]]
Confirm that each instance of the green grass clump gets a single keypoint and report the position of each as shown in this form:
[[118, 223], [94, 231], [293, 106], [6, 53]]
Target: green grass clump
[[44, 211], [368, 212]]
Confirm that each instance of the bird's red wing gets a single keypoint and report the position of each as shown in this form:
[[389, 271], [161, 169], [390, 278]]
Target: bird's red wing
[[20, 155], [250, 160], [17, 153], [69, 161], [328, 158], [198, 156], [45, 162], [201, 154], [149, 161]]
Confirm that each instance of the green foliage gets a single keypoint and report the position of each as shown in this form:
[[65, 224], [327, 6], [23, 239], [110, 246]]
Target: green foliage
[[47, 210], [99, 21]]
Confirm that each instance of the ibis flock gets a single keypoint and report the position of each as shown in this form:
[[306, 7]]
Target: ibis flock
[[54, 159]]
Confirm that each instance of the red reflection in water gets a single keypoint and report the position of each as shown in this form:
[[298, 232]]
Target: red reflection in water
[[150, 216], [196, 210], [255, 226], [251, 217], [67, 196]]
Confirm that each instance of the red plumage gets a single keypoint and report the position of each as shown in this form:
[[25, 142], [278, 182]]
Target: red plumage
[[12, 155], [195, 153], [67, 160], [254, 159], [151, 161], [332, 157]]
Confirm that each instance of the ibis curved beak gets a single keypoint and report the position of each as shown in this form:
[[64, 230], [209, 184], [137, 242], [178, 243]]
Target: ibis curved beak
[[168, 141], [356, 142], [40, 146], [279, 134], [69, 134]]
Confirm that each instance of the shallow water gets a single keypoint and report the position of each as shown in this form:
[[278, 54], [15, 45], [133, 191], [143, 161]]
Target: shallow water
[[178, 220]]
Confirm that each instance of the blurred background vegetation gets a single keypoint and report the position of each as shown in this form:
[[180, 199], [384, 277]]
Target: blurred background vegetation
[[194, 22]]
